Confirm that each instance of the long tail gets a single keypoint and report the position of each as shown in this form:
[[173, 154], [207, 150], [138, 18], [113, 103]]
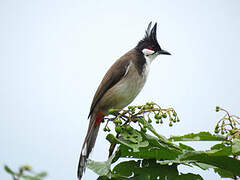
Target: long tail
[[89, 142]]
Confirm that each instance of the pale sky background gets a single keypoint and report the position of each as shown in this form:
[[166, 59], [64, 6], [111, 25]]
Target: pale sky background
[[53, 55]]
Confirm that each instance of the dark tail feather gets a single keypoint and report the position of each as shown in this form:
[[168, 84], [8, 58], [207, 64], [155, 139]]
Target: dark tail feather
[[87, 146]]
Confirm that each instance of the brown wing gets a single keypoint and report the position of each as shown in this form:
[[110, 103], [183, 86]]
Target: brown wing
[[113, 75]]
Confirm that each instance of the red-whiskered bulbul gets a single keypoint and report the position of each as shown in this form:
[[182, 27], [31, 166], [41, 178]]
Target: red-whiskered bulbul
[[119, 87]]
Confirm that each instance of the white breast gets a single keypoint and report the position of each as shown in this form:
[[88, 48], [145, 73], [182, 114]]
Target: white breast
[[125, 91], [129, 87]]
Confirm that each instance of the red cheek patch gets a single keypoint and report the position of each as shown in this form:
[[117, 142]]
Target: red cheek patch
[[150, 48]]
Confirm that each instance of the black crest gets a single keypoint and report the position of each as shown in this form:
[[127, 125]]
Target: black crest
[[151, 34], [150, 39]]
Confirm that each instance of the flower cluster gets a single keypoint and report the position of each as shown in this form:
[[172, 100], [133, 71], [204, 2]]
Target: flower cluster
[[228, 125], [147, 113]]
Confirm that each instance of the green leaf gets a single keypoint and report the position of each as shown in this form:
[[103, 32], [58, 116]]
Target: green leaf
[[31, 177], [189, 176], [148, 170], [223, 173], [218, 146], [185, 147], [134, 146], [133, 137], [160, 137], [41, 175], [8, 170], [113, 178], [25, 167], [204, 166], [202, 136], [169, 162], [224, 151], [236, 147], [101, 168], [155, 150], [223, 162]]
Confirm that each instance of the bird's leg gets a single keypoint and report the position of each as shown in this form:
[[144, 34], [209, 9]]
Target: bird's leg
[[126, 119], [112, 147]]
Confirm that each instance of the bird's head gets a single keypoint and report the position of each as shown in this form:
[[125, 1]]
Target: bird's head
[[149, 45]]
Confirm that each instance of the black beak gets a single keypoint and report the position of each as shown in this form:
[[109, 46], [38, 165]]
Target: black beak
[[163, 52]]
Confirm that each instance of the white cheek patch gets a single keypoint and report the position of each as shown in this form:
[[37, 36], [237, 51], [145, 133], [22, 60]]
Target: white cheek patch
[[149, 55], [148, 52]]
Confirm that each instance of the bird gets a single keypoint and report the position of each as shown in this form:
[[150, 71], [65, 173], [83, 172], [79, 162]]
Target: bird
[[119, 87]]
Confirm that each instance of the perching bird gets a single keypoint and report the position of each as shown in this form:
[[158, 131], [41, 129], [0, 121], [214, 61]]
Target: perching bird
[[119, 87]]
